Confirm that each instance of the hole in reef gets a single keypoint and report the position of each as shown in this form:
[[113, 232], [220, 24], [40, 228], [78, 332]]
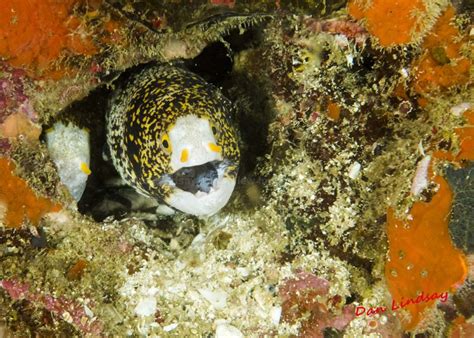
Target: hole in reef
[[254, 110], [104, 195]]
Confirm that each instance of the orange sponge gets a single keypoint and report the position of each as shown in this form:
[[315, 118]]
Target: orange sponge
[[422, 257], [391, 22], [20, 201], [441, 65], [33, 33]]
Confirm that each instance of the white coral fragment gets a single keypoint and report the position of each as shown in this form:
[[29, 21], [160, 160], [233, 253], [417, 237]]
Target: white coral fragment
[[354, 170], [170, 327], [217, 298], [460, 108], [146, 307], [225, 330], [275, 314]]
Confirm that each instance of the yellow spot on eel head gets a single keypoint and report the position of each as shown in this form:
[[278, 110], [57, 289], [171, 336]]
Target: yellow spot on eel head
[[184, 155], [215, 148], [85, 168]]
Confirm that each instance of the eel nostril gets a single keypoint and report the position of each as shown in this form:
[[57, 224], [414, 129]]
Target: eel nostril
[[184, 156], [215, 148]]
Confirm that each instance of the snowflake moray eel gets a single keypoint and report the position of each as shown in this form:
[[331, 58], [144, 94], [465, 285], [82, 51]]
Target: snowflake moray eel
[[170, 137]]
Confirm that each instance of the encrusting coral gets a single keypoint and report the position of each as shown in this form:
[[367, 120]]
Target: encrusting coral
[[73, 311], [305, 298], [422, 258], [13, 97]]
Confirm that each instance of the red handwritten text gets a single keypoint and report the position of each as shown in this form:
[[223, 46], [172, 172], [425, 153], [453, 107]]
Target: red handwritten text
[[421, 298]]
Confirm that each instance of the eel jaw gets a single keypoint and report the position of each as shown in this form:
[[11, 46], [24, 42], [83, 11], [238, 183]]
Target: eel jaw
[[201, 190]]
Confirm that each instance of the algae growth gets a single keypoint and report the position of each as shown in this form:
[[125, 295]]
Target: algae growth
[[337, 131]]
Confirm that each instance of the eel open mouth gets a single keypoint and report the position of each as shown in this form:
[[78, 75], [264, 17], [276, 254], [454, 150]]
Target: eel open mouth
[[197, 178], [201, 190]]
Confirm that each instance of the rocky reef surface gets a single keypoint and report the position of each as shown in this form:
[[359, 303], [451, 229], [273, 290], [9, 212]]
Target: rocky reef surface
[[352, 215]]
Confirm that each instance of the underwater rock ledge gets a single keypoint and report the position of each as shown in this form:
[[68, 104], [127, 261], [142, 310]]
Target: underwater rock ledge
[[357, 151]]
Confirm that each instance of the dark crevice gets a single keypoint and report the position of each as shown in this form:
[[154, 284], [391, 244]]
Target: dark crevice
[[215, 64]]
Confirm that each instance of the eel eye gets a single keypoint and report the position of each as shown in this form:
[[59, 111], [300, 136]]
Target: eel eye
[[165, 143], [215, 129]]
